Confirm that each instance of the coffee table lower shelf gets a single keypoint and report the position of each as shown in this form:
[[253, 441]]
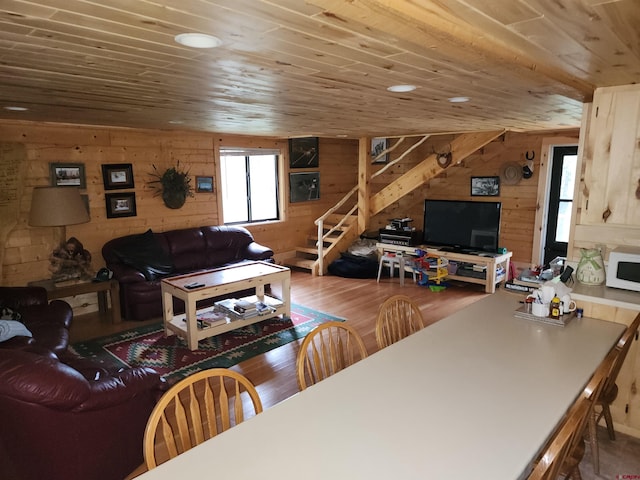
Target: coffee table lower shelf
[[178, 325]]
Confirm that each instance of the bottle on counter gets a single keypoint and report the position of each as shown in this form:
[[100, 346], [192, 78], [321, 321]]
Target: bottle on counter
[[554, 307]]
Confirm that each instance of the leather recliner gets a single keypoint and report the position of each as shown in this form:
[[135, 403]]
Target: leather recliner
[[48, 322], [71, 420]]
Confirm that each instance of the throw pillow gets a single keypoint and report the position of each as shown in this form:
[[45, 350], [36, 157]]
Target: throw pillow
[[11, 328], [7, 313], [144, 253]]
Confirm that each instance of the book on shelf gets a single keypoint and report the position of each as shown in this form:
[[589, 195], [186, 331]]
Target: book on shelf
[[210, 317], [516, 287], [228, 305], [267, 305]]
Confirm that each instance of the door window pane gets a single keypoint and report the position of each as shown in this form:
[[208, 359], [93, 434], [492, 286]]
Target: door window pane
[[567, 184], [564, 222]]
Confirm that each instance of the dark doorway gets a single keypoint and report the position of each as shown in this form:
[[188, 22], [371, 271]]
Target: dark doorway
[[561, 191]]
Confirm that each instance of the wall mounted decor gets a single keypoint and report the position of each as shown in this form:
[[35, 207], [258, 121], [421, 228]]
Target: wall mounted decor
[[204, 184], [117, 176], [485, 186], [174, 184], [379, 145], [121, 204], [303, 152], [67, 175], [304, 186]]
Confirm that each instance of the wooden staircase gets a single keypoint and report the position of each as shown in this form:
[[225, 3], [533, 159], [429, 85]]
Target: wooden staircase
[[336, 232]]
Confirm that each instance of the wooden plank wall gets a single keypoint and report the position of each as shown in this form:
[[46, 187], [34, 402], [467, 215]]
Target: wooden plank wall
[[519, 202], [27, 249]]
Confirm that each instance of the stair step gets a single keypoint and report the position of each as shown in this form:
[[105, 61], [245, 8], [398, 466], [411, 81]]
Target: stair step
[[309, 250], [298, 262], [335, 218], [327, 241]]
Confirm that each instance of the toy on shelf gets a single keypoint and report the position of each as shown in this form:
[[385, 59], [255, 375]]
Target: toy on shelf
[[433, 270]]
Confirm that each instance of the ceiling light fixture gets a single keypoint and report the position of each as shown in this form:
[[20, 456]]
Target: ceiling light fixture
[[198, 40], [16, 109], [401, 88], [459, 99]]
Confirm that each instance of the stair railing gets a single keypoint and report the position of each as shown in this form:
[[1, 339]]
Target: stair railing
[[320, 220]]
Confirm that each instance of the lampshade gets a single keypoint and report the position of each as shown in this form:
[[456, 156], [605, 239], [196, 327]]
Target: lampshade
[[57, 206]]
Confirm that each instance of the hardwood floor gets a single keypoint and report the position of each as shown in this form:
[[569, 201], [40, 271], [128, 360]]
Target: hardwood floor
[[358, 300]]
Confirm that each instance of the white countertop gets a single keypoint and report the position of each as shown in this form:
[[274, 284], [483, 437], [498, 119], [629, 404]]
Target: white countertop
[[476, 395], [615, 297]]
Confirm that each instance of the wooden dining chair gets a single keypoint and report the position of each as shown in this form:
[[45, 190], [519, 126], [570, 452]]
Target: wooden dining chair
[[552, 460], [326, 350], [610, 392], [195, 409], [398, 317], [566, 448]]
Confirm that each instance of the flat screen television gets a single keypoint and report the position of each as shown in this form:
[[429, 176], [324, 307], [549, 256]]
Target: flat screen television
[[462, 225]]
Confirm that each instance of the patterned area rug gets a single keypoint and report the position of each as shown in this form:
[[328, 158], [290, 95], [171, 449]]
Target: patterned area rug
[[147, 346]]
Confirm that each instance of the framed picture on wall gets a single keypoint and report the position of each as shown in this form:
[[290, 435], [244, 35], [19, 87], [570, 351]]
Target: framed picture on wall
[[303, 152], [121, 204], [117, 176], [304, 187], [67, 175], [379, 145], [204, 184], [485, 186]]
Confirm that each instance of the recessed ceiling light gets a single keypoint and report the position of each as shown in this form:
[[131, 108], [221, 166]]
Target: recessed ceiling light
[[16, 109], [176, 122], [198, 40], [459, 99], [401, 88]]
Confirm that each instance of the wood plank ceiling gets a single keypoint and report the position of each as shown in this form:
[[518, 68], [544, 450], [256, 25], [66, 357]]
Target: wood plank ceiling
[[316, 68]]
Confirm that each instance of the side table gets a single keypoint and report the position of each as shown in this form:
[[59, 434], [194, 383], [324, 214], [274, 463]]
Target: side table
[[80, 287]]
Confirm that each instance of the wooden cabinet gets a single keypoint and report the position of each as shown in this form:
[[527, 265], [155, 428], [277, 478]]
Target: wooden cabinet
[[612, 158], [626, 409]]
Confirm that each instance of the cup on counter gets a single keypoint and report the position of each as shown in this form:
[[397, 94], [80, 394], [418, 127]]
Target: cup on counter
[[547, 292], [568, 305], [540, 309]]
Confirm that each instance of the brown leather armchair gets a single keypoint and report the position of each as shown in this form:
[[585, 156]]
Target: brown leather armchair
[[69, 419], [48, 322]]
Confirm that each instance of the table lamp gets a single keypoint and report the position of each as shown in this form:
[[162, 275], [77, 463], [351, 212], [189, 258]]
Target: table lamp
[[59, 207]]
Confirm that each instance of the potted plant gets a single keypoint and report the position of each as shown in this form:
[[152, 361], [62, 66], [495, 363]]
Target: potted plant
[[174, 184]]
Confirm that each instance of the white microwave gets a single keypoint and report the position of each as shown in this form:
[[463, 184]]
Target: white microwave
[[623, 270]]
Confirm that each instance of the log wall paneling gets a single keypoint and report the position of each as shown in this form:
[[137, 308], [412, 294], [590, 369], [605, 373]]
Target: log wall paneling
[[27, 249]]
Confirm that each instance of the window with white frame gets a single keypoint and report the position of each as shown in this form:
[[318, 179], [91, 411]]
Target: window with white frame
[[249, 185]]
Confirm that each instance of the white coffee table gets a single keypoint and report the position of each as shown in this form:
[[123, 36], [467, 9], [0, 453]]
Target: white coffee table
[[217, 282]]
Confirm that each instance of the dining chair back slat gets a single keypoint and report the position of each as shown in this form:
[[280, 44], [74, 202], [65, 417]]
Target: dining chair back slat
[[195, 409], [327, 349], [398, 317]]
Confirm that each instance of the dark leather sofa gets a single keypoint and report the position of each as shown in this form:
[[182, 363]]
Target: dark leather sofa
[[63, 417], [139, 262], [49, 322], [71, 420]]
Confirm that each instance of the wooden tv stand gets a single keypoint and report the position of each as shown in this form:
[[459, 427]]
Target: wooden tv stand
[[490, 262]]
